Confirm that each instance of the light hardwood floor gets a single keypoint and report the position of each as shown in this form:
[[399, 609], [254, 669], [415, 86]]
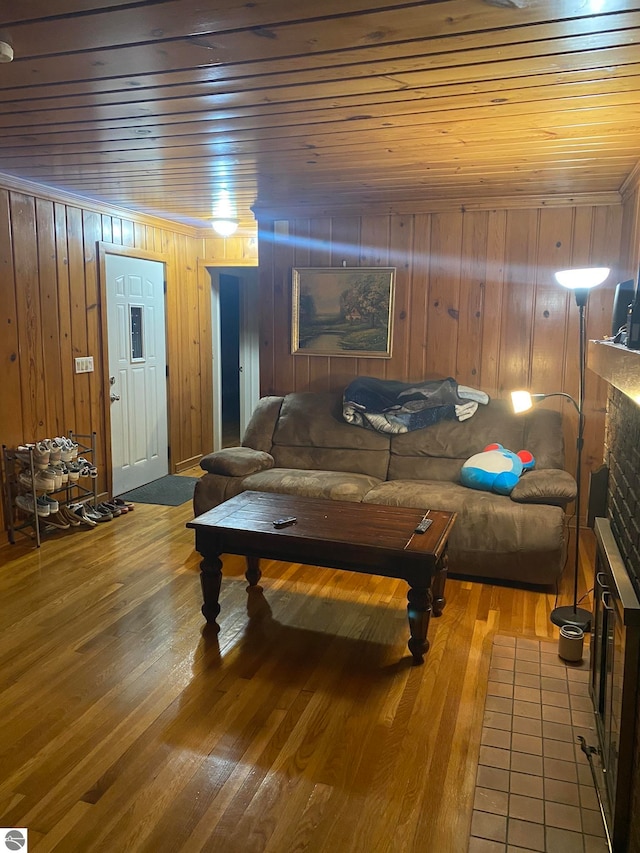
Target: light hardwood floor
[[300, 726]]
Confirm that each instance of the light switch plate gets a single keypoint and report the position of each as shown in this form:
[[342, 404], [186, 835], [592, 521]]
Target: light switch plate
[[84, 364]]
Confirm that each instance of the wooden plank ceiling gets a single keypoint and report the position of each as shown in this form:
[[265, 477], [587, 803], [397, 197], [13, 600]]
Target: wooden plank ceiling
[[163, 106]]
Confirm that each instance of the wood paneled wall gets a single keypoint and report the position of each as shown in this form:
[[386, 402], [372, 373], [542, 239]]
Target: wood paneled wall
[[51, 307], [475, 299], [630, 244]]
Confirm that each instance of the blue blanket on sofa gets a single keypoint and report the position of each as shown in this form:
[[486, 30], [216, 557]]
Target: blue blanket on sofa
[[387, 405]]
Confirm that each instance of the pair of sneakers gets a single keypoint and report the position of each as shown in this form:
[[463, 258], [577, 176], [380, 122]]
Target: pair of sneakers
[[62, 449], [70, 517], [84, 514], [91, 515], [49, 479], [39, 451], [62, 519], [65, 518], [43, 480], [81, 468], [104, 511], [44, 505]]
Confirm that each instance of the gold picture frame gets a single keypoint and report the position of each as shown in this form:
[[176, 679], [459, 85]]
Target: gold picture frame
[[342, 311]]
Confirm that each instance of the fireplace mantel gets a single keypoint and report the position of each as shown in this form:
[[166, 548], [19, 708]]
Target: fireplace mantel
[[617, 365]]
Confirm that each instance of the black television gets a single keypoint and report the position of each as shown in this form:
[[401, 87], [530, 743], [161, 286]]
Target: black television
[[623, 296]]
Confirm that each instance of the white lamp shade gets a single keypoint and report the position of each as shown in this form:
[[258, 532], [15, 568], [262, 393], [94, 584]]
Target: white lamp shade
[[521, 401], [224, 227], [588, 277], [6, 52]]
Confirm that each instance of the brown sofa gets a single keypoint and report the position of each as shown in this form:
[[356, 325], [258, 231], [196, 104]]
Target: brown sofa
[[300, 444]]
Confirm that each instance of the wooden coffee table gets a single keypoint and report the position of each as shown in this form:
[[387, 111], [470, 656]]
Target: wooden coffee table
[[358, 537]]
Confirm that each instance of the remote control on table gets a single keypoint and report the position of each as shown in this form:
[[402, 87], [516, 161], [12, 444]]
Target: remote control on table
[[285, 522], [424, 525]]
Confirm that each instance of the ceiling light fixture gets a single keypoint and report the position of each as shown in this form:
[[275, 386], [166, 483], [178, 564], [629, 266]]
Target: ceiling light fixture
[[225, 227], [6, 52]]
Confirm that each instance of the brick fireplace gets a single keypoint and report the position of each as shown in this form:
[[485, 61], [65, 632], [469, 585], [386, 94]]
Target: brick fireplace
[[615, 653], [622, 458]]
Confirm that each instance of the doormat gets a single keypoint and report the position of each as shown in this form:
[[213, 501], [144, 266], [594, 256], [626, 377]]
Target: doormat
[[171, 490], [534, 788]]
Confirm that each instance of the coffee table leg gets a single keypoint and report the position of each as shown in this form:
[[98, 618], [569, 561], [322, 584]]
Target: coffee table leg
[[419, 610], [437, 585], [253, 573], [210, 581]]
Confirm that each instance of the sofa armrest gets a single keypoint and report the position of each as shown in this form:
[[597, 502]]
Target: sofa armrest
[[545, 486], [236, 461]]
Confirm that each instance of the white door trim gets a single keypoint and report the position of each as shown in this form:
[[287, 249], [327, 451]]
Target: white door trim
[[249, 352], [216, 366], [249, 346]]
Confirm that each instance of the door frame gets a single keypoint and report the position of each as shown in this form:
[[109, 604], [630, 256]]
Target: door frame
[[105, 249], [249, 329]]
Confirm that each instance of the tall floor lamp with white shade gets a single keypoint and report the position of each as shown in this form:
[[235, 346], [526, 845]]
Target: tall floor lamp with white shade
[[580, 281]]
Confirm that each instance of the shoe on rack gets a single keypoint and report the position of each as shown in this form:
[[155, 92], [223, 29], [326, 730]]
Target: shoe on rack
[[43, 481], [60, 472], [25, 503], [80, 512], [57, 520], [73, 471], [124, 505], [86, 468], [68, 448], [69, 516], [43, 506], [40, 453], [57, 476], [55, 451], [52, 503]]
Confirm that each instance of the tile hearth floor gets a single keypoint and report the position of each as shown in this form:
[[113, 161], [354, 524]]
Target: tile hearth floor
[[534, 790]]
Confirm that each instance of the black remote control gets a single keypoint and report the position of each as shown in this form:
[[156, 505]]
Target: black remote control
[[424, 525], [285, 522]]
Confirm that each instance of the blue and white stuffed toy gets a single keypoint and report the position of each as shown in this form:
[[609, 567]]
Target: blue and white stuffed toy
[[495, 469]]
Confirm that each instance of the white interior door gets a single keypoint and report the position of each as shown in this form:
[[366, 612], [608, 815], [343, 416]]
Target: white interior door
[[137, 371]]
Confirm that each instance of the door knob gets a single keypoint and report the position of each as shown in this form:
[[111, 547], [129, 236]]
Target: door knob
[[114, 397]]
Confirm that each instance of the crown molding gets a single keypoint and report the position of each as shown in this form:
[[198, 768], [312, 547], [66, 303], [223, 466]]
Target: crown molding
[[631, 182], [48, 193], [414, 206]]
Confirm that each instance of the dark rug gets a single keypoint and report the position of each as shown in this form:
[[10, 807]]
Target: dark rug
[[171, 490]]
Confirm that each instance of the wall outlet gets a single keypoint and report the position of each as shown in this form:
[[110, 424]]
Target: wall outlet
[[84, 365]]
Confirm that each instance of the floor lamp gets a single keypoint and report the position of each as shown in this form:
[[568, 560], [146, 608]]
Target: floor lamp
[[580, 281]]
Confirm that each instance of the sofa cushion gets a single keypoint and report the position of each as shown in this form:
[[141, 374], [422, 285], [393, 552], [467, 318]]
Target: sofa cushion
[[545, 487], [262, 423], [522, 541], [236, 461], [424, 468], [312, 484], [452, 439], [439, 451], [315, 420], [311, 433]]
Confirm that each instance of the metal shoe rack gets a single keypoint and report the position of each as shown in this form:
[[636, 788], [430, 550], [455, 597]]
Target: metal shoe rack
[[16, 462]]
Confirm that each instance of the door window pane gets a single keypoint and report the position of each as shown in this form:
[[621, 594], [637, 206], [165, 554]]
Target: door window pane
[[137, 347]]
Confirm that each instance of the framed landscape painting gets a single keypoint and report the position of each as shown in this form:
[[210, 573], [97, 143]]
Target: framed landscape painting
[[342, 311]]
